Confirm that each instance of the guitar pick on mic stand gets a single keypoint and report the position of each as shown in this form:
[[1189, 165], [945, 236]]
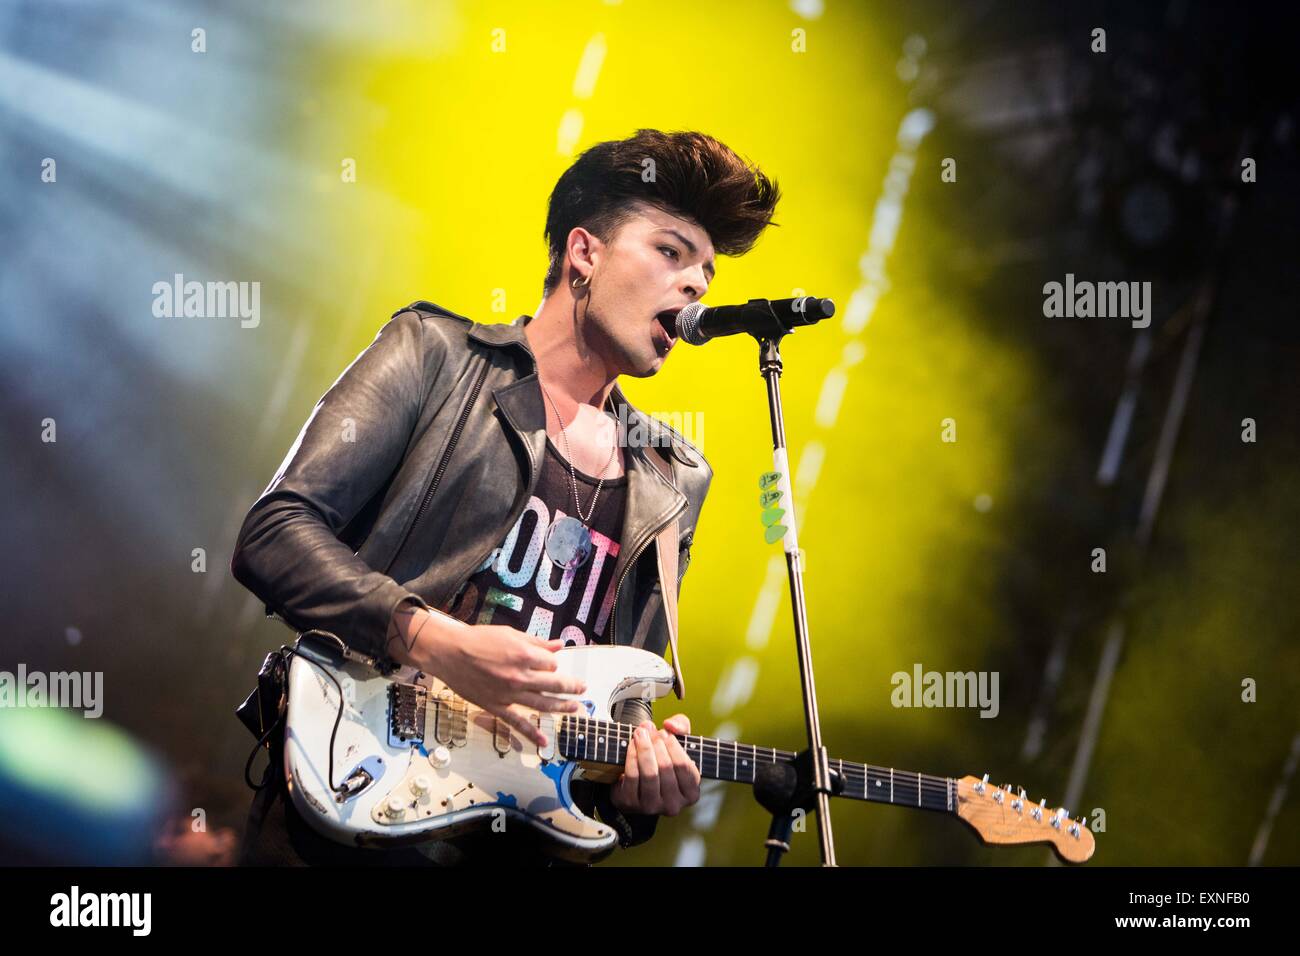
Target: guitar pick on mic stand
[[805, 784]]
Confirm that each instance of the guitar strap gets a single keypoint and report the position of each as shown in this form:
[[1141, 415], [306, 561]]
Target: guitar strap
[[666, 548]]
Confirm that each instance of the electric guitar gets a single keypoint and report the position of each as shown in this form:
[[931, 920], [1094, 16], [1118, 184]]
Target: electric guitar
[[375, 760]]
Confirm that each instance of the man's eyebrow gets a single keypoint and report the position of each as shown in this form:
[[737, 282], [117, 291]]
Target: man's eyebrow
[[690, 246]]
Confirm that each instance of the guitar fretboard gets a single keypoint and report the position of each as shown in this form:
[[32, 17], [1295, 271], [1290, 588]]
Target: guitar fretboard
[[602, 741]]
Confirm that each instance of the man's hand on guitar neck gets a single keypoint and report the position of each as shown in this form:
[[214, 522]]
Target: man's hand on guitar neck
[[496, 667], [658, 777]]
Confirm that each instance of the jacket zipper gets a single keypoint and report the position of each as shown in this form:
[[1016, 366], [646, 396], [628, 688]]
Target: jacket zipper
[[613, 624], [536, 471], [446, 457]]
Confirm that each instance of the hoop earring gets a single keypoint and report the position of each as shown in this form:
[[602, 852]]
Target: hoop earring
[[580, 282]]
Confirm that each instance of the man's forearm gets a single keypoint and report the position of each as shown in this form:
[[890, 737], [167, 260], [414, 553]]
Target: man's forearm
[[415, 633], [403, 630]]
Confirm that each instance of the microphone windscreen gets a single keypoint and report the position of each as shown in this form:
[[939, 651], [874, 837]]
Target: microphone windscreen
[[688, 324]]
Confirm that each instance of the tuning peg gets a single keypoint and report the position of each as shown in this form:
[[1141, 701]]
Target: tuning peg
[[980, 785], [998, 795], [1038, 810], [1058, 818], [1019, 802]]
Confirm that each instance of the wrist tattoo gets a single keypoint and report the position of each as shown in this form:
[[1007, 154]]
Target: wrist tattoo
[[401, 616]]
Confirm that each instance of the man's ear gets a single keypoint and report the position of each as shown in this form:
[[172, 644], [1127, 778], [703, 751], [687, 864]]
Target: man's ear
[[580, 249]]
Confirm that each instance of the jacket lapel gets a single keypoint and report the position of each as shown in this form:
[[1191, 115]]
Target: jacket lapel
[[651, 499], [521, 405]]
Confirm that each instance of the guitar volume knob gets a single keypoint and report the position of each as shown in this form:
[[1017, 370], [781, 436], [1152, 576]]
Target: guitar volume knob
[[440, 756]]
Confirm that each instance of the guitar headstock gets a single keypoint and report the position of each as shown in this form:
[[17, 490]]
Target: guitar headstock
[[1004, 817]]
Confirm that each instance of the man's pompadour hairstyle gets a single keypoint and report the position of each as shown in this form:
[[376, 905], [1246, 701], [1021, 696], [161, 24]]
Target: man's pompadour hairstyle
[[686, 174]]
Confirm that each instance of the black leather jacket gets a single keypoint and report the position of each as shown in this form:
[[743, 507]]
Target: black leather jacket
[[415, 465]]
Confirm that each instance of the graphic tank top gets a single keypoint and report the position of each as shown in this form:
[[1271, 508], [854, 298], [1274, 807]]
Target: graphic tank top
[[519, 586]]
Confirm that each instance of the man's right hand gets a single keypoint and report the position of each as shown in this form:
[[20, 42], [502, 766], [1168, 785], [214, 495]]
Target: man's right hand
[[500, 669]]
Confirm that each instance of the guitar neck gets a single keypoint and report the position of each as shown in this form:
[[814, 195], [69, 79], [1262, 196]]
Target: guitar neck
[[603, 741]]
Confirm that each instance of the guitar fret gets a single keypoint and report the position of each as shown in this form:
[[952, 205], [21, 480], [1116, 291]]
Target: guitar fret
[[873, 783]]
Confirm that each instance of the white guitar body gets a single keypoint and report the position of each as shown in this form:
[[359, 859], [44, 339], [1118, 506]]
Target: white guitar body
[[457, 769]]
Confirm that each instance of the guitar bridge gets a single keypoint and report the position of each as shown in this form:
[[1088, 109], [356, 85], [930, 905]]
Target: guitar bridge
[[406, 709]]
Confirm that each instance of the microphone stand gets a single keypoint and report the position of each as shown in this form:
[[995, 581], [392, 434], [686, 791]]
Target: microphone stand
[[807, 783]]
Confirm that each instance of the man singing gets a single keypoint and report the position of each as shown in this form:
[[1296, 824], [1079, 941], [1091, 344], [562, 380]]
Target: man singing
[[475, 472]]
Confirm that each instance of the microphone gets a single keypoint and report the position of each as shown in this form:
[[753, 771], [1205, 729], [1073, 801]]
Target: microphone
[[766, 318]]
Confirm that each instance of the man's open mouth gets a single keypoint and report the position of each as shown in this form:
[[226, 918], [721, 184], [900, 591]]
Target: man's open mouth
[[668, 320]]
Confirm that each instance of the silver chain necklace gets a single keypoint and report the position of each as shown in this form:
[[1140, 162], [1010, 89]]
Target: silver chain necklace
[[568, 540]]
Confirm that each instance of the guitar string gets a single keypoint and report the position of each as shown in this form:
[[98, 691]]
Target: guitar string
[[727, 749], [860, 774], [723, 752], [938, 789]]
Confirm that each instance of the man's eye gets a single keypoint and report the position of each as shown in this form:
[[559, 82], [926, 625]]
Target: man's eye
[[669, 249]]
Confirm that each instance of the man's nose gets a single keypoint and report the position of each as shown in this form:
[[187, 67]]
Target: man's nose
[[695, 287]]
